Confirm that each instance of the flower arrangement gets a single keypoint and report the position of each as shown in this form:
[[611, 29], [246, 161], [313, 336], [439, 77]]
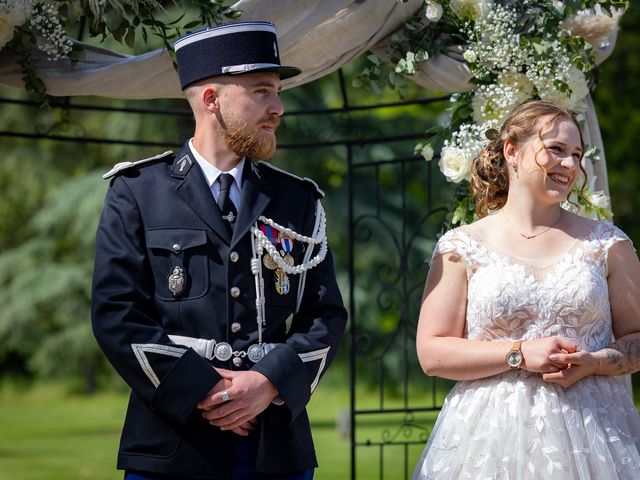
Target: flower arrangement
[[46, 26], [515, 50]]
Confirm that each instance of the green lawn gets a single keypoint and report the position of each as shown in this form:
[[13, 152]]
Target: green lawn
[[47, 433]]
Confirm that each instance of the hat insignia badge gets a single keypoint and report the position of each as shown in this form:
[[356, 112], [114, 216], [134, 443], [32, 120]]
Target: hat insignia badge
[[275, 50]]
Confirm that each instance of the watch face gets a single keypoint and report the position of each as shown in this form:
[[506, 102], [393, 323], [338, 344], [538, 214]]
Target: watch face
[[514, 359]]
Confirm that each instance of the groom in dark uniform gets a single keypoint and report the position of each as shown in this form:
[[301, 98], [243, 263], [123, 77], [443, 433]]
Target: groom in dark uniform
[[214, 292]]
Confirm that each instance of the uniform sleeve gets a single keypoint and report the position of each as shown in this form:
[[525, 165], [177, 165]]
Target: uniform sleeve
[[169, 378], [296, 366]]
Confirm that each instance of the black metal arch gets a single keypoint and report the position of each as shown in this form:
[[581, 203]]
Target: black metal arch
[[394, 413]]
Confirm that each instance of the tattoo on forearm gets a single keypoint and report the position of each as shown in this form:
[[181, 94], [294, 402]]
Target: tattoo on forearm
[[623, 356], [614, 356]]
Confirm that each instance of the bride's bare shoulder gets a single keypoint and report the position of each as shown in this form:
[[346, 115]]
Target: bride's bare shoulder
[[483, 227]]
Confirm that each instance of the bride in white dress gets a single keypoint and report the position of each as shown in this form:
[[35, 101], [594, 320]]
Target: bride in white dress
[[522, 307]]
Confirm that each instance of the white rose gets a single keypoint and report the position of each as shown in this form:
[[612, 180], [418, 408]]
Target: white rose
[[427, 152], [470, 56], [12, 15], [433, 11], [6, 32], [454, 164]]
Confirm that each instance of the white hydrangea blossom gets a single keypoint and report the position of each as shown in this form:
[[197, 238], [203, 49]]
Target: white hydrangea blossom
[[546, 76], [471, 9], [494, 102], [519, 82], [13, 13]]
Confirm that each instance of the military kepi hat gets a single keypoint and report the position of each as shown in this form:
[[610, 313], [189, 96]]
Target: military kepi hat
[[230, 49]]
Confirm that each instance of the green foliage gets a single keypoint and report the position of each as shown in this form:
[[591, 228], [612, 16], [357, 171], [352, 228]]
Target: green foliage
[[514, 50], [51, 194], [125, 21], [46, 284], [47, 216]]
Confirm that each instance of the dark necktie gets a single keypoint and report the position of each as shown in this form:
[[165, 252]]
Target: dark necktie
[[227, 208]]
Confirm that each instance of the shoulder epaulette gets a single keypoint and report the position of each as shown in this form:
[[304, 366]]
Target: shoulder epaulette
[[306, 181], [118, 167]]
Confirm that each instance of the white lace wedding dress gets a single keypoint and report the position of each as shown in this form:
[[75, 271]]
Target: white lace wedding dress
[[515, 425]]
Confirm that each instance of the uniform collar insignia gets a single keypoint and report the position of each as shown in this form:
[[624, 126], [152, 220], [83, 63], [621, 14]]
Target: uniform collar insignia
[[182, 164]]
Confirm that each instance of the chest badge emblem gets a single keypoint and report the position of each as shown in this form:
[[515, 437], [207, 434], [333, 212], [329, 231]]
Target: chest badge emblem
[[176, 281]]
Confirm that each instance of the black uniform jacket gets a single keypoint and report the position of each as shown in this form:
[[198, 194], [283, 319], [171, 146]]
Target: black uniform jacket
[[160, 215]]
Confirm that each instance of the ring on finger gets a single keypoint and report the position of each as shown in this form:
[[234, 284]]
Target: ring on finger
[[225, 396]]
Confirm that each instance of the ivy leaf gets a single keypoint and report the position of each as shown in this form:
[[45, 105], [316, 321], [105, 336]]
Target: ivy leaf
[[233, 14], [191, 25], [113, 20], [130, 37], [374, 59]]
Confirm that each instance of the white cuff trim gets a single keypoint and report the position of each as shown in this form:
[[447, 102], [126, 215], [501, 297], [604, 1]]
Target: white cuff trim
[[316, 355], [141, 349]]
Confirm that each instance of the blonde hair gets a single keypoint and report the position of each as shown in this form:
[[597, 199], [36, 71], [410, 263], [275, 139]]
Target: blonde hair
[[489, 172]]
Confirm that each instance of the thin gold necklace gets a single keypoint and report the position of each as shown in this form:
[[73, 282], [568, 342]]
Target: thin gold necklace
[[529, 237]]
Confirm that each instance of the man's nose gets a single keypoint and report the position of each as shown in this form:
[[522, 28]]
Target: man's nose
[[276, 107]]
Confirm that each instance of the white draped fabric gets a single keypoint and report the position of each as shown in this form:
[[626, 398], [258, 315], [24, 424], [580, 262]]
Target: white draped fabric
[[319, 36]]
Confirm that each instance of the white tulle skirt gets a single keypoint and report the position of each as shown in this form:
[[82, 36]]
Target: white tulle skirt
[[516, 426]]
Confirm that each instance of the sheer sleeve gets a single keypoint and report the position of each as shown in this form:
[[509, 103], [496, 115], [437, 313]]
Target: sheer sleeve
[[454, 241], [604, 237]]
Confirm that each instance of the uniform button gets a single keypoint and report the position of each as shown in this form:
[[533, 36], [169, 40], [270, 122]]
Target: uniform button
[[234, 257], [236, 327], [177, 247], [235, 292], [237, 361]]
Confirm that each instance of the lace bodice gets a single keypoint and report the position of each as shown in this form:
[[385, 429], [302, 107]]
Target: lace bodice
[[511, 299], [516, 425]]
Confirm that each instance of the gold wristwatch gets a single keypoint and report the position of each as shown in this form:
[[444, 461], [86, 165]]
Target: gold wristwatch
[[514, 356]]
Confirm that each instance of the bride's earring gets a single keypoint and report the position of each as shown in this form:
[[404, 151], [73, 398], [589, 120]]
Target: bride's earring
[[515, 169]]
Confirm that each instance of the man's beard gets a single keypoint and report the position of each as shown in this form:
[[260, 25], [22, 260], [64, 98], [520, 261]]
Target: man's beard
[[251, 142]]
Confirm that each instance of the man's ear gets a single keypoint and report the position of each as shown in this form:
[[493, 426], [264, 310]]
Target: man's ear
[[210, 98]]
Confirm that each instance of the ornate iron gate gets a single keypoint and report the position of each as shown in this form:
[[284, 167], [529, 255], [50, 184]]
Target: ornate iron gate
[[393, 215]]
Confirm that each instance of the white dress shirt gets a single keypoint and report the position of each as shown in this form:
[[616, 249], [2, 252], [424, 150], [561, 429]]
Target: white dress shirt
[[211, 174]]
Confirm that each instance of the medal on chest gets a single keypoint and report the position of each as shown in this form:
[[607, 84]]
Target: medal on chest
[[272, 245], [282, 282]]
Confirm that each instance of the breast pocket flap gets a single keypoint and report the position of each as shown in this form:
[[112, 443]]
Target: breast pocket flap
[[175, 239]]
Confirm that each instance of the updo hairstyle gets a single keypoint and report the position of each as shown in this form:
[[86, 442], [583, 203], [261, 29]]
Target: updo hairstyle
[[489, 170]]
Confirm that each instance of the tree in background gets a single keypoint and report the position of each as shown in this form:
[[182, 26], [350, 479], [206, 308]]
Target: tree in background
[[51, 195], [618, 107]]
